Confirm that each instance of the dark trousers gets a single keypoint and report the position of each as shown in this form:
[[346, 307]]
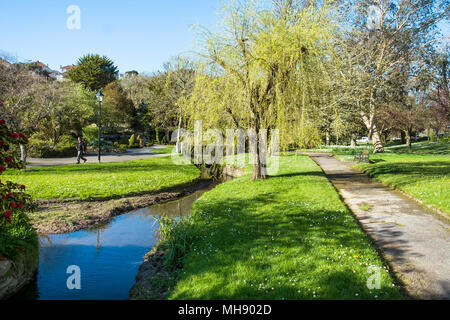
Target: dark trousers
[[80, 156]]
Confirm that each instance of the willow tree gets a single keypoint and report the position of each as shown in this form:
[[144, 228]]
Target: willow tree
[[259, 70]]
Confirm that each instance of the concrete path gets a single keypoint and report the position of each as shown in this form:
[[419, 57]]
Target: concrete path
[[415, 242], [131, 154]]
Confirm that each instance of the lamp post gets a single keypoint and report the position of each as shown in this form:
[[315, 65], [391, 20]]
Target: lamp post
[[99, 96]]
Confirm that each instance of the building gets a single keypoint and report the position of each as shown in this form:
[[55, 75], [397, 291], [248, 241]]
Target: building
[[4, 62], [67, 68], [53, 74]]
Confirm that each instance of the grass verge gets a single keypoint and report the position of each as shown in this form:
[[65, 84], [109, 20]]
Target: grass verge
[[422, 172], [425, 177], [105, 180]]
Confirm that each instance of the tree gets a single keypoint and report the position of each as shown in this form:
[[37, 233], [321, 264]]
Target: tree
[[23, 99], [373, 51], [261, 72], [137, 90], [70, 109], [439, 96], [94, 71], [179, 79], [120, 106]]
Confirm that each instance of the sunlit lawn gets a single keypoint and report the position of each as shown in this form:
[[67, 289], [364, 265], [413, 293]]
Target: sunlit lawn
[[423, 172], [166, 150], [106, 180], [426, 177], [289, 237]]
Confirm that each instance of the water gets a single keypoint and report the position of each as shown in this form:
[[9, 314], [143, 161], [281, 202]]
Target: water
[[108, 256]]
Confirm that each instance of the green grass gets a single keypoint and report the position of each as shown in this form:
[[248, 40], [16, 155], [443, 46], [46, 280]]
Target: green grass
[[437, 148], [425, 177], [365, 207], [423, 171], [166, 150], [289, 237], [106, 180]]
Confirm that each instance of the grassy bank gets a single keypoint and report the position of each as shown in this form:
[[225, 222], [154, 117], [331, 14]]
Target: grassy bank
[[289, 237], [105, 180], [425, 177], [423, 171]]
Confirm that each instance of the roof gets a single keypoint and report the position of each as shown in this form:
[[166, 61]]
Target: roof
[[69, 67], [40, 64]]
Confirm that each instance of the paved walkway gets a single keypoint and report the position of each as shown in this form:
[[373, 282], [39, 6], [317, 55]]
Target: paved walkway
[[415, 242], [131, 154]]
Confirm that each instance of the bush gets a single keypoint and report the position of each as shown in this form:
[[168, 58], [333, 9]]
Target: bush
[[132, 141], [15, 229], [445, 138], [42, 149], [90, 134], [124, 139], [135, 142]]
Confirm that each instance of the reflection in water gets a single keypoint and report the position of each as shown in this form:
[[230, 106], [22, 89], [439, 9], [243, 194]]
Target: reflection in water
[[108, 256]]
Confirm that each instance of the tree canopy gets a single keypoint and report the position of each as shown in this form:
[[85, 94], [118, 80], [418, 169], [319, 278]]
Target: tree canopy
[[93, 71]]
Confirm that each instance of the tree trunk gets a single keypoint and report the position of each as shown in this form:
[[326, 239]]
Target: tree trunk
[[374, 134], [408, 139], [258, 150], [353, 140], [23, 153], [377, 143], [167, 136], [178, 149], [327, 138], [258, 170], [403, 137]]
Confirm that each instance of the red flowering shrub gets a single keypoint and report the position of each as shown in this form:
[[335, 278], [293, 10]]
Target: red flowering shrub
[[15, 229]]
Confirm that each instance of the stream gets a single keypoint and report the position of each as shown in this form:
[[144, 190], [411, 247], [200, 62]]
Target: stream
[[108, 256]]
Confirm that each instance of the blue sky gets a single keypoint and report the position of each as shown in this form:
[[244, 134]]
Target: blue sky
[[136, 34]]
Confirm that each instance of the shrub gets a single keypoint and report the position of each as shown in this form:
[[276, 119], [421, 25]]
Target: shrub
[[90, 134], [43, 149], [124, 139], [445, 138], [15, 229], [132, 141]]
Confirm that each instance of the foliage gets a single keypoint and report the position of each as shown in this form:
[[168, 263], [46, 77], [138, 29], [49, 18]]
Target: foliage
[[263, 71], [24, 102], [42, 149], [15, 230], [120, 106], [385, 59], [93, 71], [90, 133], [132, 141], [72, 108]]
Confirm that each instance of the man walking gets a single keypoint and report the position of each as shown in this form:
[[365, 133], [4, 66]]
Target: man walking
[[81, 148]]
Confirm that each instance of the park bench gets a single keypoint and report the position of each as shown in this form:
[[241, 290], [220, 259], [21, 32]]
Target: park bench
[[362, 156]]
